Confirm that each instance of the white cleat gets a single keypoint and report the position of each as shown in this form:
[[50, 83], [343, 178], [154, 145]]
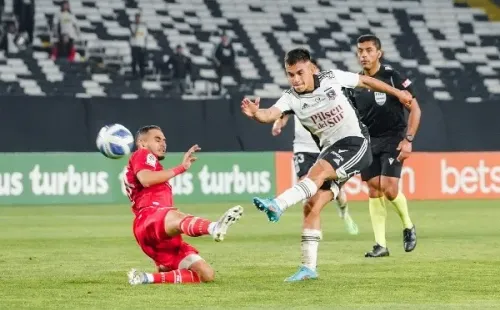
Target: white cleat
[[136, 277], [229, 218]]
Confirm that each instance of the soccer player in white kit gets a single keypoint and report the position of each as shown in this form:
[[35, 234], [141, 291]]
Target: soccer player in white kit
[[322, 108], [305, 154]]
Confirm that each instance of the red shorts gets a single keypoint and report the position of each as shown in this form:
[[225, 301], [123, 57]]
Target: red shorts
[[149, 231]]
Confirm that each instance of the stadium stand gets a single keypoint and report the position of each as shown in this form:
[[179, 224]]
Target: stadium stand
[[450, 49]]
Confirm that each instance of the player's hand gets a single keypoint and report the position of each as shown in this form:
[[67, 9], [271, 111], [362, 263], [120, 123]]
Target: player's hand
[[405, 97], [404, 148], [277, 127], [189, 157], [249, 107]]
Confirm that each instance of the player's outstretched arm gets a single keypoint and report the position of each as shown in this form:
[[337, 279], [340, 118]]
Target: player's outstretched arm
[[371, 83], [150, 178], [279, 123], [252, 110]]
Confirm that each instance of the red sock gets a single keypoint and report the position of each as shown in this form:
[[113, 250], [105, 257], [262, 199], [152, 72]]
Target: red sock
[[176, 276], [194, 226]]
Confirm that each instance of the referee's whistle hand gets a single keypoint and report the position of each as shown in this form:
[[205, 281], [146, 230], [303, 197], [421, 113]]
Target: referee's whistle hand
[[405, 148]]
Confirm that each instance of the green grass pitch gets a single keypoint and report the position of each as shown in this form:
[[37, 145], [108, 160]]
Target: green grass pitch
[[76, 257]]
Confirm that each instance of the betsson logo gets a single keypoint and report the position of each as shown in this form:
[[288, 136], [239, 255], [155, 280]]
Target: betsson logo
[[479, 179]]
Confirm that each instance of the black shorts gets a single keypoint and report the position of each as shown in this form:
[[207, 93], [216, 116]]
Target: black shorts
[[303, 161], [385, 154], [348, 156]]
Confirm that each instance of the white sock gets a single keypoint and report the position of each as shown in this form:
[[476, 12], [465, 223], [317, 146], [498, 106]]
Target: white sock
[[302, 190], [211, 227], [309, 246], [149, 277]]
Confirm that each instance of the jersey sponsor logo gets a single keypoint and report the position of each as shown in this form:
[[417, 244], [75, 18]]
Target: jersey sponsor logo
[[304, 106], [380, 98], [151, 160], [406, 83], [329, 118], [342, 151], [331, 94]]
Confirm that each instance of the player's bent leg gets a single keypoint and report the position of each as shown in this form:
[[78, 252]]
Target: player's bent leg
[[177, 264], [176, 276], [179, 223], [378, 215], [304, 189], [390, 187], [205, 272], [311, 235]]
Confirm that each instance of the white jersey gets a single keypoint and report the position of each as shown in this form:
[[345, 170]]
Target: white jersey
[[326, 112], [303, 142]]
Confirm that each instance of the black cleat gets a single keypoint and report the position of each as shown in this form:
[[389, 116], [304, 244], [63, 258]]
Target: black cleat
[[378, 251], [409, 239]]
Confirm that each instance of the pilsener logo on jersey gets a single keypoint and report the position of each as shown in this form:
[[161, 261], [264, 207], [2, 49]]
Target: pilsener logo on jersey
[[329, 118]]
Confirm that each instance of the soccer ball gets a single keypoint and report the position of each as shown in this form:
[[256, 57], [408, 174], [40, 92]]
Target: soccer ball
[[115, 141]]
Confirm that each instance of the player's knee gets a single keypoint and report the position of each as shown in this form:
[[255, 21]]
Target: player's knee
[[374, 188], [311, 210], [307, 209], [390, 188], [207, 275], [391, 192], [374, 191]]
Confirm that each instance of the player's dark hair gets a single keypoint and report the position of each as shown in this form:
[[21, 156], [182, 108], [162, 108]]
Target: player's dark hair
[[144, 130], [370, 38], [297, 55], [315, 62]]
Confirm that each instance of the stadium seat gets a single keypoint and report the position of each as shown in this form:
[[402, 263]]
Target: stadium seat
[[450, 50]]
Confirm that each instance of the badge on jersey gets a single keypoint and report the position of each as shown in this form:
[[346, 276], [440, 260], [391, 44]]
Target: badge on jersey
[[151, 160], [380, 98], [331, 94], [406, 83]]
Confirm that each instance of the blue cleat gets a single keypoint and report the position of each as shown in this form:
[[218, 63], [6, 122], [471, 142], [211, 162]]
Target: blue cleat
[[269, 206], [303, 274]]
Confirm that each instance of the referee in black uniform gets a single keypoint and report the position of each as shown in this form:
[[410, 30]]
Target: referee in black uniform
[[391, 139]]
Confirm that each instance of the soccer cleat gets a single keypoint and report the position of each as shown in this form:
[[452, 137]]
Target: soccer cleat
[[137, 277], [304, 273], [409, 239], [229, 218], [350, 226], [270, 207], [378, 251]]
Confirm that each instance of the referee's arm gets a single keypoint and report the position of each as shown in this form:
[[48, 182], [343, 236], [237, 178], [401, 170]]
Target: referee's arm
[[403, 83]]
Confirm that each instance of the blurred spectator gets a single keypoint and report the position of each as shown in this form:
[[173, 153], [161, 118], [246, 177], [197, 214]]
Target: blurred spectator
[[24, 10], [224, 58], [65, 30], [64, 48], [180, 66], [2, 8], [9, 39], [138, 43]]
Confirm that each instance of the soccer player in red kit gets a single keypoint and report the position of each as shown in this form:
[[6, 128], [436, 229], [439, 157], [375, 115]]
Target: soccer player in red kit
[[158, 225]]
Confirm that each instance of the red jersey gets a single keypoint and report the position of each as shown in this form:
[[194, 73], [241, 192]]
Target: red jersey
[[156, 195]]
